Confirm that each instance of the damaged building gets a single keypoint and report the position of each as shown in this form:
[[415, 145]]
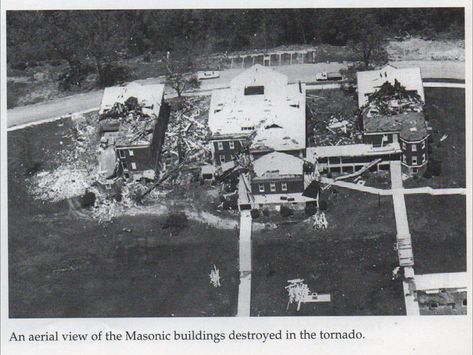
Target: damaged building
[[260, 112], [133, 121], [391, 102]]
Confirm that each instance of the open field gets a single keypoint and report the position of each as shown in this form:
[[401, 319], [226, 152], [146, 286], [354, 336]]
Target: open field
[[63, 266], [445, 110], [438, 228], [352, 260]]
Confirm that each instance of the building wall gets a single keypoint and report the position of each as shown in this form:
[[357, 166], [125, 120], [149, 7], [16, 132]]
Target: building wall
[[415, 153], [293, 186], [134, 159], [223, 149]]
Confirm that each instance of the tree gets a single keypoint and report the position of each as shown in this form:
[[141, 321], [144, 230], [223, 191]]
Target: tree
[[368, 40]]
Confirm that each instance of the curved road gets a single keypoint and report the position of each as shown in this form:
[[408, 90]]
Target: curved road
[[304, 72]]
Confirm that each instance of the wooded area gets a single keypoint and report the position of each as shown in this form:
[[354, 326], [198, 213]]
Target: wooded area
[[98, 38]]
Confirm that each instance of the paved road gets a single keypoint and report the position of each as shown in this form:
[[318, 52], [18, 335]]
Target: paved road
[[304, 72]]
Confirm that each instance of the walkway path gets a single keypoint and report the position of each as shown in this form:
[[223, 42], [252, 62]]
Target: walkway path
[[244, 290], [385, 192]]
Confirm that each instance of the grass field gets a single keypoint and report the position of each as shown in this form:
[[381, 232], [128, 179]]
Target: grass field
[[438, 228], [62, 266], [352, 260]]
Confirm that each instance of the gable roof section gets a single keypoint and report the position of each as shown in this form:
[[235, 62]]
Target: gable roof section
[[369, 82], [277, 164], [258, 75]]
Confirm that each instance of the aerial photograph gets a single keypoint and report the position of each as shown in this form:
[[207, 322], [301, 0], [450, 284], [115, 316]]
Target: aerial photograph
[[236, 162]]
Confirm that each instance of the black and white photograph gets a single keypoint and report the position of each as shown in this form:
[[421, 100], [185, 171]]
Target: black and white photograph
[[237, 162]]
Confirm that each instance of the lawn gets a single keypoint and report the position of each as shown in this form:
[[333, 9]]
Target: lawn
[[64, 266], [352, 260], [445, 109], [438, 228]]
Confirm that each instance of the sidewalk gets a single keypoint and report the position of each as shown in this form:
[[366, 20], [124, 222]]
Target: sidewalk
[[244, 290]]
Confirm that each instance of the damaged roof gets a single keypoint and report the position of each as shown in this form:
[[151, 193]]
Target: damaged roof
[[149, 97], [135, 126], [277, 113], [370, 81], [277, 164], [411, 125]]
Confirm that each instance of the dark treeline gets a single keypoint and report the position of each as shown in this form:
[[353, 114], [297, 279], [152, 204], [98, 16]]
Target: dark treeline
[[219, 30], [99, 37]]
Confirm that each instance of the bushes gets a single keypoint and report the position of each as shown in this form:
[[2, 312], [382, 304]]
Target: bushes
[[323, 205], [112, 74], [255, 213], [175, 221], [310, 209], [87, 200], [286, 211], [74, 76], [434, 168]]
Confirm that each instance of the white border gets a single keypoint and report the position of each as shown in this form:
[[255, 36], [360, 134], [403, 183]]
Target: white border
[[385, 335]]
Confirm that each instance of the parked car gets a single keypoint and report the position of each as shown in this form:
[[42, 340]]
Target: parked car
[[324, 76], [210, 74]]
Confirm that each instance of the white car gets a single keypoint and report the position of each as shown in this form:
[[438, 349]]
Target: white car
[[210, 74]]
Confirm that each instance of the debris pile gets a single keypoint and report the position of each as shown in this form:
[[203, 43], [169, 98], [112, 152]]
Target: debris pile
[[215, 277], [318, 221], [187, 135], [392, 100]]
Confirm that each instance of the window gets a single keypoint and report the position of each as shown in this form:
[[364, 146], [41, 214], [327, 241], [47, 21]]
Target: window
[[404, 159], [121, 154], [423, 158], [231, 156], [127, 176], [415, 170], [254, 90], [125, 166], [261, 187], [423, 144], [232, 144], [222, 158], [133, 166], [220, 145], [403, 145], [284, 186], [414, 147], [414, 160], [131, 153], [272, 187]]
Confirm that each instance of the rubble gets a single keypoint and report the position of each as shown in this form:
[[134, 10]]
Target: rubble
[[215, 277]]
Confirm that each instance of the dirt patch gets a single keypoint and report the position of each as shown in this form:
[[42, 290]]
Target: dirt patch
[[420, 49]]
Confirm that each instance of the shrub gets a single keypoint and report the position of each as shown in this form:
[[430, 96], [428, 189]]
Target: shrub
[[286, 211], [19, 66], [310, 209], [323, 205], [87, 200], [113, 74], [255, 213], [74, 76], [175, 221]]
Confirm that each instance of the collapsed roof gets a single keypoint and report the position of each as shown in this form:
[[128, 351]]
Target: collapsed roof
[[136, 107], [368, 82]]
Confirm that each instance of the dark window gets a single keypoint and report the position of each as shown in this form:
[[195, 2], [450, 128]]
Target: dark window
[[254, 90]]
